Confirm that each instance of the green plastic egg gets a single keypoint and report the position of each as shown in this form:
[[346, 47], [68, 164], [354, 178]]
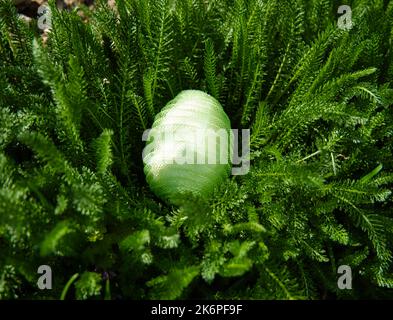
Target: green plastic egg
[[189, 148]]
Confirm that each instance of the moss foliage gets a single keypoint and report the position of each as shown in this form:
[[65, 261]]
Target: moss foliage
[[318, 101]]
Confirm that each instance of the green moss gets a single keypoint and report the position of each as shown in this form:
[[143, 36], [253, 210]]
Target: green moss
[[318, 100]]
